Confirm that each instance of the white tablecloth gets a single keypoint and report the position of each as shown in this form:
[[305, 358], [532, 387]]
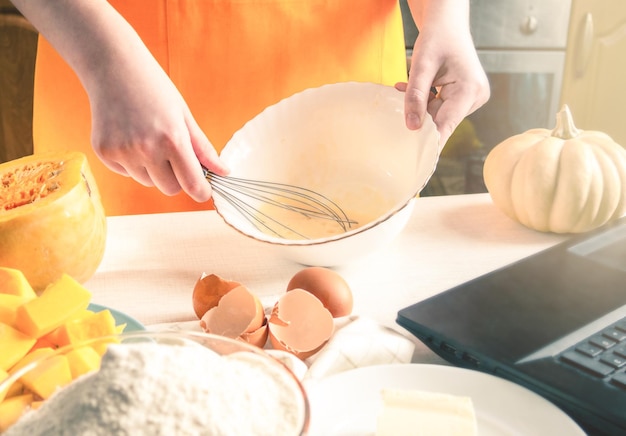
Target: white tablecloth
[[153, 261]]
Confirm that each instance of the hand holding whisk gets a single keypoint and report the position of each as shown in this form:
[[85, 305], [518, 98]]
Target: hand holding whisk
[[268, 205]]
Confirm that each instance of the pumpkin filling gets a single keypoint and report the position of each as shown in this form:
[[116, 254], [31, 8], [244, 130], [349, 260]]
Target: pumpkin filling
[[29, 183]]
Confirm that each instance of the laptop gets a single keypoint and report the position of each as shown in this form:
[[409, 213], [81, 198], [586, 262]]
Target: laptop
[[554, 322]]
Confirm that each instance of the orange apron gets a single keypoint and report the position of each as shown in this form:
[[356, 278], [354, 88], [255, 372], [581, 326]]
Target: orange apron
[[229, 59]]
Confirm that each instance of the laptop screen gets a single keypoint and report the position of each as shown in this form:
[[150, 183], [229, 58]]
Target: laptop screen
[[522, 308], [608, 248]]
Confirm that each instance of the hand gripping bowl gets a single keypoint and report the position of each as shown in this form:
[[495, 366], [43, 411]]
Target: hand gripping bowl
[[347, 141], [158, 383]]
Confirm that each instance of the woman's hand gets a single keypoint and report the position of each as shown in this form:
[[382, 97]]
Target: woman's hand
[[444, 57], [141, 126]]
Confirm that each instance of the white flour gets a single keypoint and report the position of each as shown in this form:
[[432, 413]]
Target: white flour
[[151, 389]]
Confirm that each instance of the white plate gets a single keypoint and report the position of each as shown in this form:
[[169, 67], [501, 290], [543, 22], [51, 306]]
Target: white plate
[[348, 403]]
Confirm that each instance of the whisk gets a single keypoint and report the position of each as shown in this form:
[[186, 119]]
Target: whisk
[[251, 199]]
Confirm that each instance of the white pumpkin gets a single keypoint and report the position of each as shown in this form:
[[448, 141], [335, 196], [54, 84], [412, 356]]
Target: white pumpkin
[[562, 181]]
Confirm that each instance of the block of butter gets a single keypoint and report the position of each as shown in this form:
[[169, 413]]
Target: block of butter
[[421, 413]]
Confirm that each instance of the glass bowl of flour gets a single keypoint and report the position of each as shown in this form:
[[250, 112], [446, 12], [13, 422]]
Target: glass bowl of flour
[[158, 383]]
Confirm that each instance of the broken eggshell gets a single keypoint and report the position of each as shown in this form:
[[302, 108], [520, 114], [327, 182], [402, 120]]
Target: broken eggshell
[[300, 324], [208, 291], [239, 314]]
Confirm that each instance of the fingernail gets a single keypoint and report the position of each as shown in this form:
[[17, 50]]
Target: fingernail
[[412, 121]]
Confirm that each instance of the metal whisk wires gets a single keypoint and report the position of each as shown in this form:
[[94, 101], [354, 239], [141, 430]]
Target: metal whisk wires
[[251, 199]]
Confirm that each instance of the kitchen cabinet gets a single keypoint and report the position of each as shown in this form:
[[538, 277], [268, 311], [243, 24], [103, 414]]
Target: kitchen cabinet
[[593, 81], [18, 47]]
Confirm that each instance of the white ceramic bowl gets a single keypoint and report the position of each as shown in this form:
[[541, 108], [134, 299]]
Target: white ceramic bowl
[[347, 141]]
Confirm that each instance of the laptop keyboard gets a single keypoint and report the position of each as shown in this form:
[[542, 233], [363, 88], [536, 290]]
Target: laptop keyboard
[[602, 355]]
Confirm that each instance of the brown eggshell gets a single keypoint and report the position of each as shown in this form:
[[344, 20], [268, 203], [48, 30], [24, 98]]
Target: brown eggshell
[[328, 286], [208, 291], [300, 324], [237, 312], [257, 337]]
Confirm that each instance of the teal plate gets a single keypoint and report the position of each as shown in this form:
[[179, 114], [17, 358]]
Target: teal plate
[[132, 325]]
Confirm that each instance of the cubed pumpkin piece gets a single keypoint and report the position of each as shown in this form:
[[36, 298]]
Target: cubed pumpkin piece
[[51, 374], [17, 388], [8, 306], [12, 409], [51, 338], [14, 389], [96, 325], [58, 337], [57, 303], [120, 328], [14, 345], [101, 324], [43, 342], [13, 282], [33, 355], [102, 345], [81, 314], [36, 404], [83, 360], [3, 376]]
